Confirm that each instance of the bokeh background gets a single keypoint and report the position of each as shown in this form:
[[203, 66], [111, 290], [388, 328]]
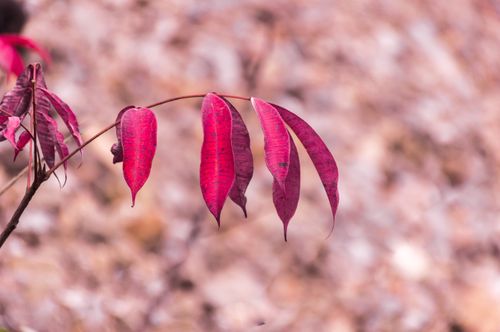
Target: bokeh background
[[405, 93]]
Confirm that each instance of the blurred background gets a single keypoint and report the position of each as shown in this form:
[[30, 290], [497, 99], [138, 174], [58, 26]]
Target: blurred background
[[405, 93]]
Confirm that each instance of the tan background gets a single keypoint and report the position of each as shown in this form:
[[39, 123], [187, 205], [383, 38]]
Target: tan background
[[405, 93]]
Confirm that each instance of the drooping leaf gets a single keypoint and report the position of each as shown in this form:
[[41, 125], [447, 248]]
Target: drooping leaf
[[286, 201], [16, 102], [138, 137], [9, 133], [65, 113], [217, 174], [46, 127], [10, 59], [276, 140], [117, 148], [320, 155], [61, 147], [17, 40], [243, 159], [23, 139]]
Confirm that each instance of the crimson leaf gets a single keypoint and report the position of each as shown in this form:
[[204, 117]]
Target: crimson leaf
[[320, 155], [217, 173], [24, 138], [65, 113], [243, 159], [10, 59], [276, 140], [17, 101], [117, 148], [138, 137], [286, 201], [9, 133]]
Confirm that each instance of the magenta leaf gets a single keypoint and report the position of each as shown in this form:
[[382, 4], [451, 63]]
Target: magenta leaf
[[117, 148], [276, 140], [9, 133], [24, 138], [320, 155], [61, 147], [16, 102], [65, 113], [46, 127], [217, 173], [10, 59], [138, 136], [243, 159], [286, 201]]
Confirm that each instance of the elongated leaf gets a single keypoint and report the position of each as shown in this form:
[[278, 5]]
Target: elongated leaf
[[320, 155], [276, 140], [10, 60], [9, 133], [46, 127], [138, 136], [61, 147], [17, 101], [286, 202], [117, 148], [24, 138], [243, 159], [217, 173], [65, 113], [17, 40]]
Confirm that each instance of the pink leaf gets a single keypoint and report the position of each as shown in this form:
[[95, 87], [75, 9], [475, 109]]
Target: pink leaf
[[17, 101], [9, 133], [138, 136], [24, 138], [117, 148], [65, 113], [217, 173], [286, 202], [61, 147], [320, 155], [10, 59], [46, 127], [276, 140], [243, 160], [17, 40]]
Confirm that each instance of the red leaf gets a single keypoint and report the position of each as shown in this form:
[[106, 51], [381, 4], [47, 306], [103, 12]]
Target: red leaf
[[9, 133], [17, 101], [61, 147], [320, 155], [117, 148], [217, 174], [65, 113], [276, 140], [10, 58], [286, 202], [138, 136], [46, 127], [243, 160], [24, 138]]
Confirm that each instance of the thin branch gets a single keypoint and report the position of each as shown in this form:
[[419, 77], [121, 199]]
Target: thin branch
[[11, 226], [111, 126], [13, 180]]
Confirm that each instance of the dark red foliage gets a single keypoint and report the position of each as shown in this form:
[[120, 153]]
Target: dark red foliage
[[17, 103]]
